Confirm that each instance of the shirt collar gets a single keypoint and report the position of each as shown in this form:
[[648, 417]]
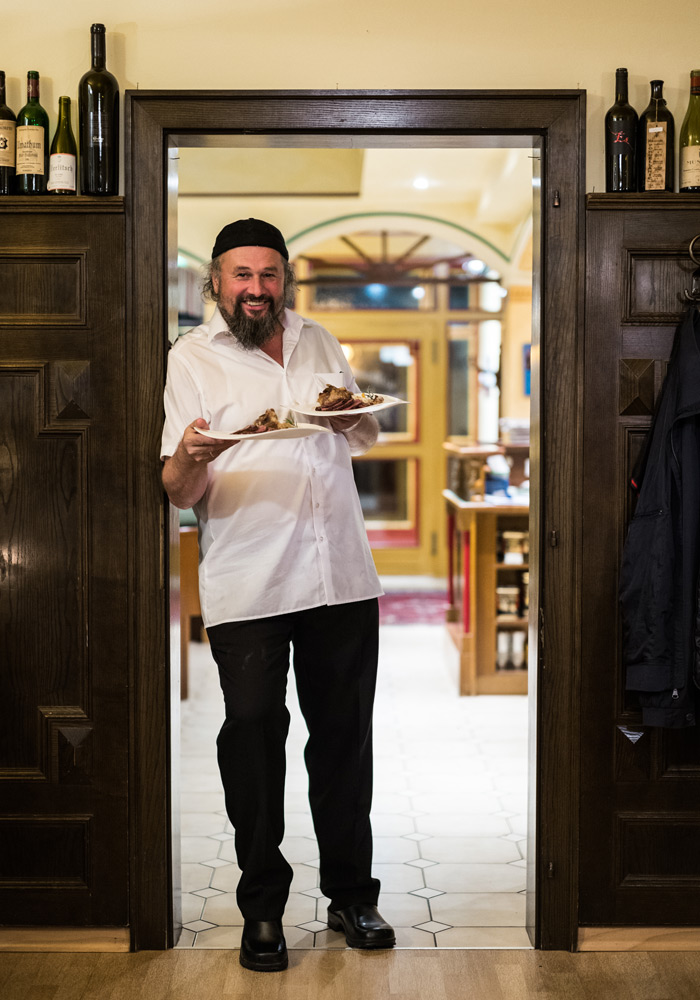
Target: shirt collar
[[291, 321]]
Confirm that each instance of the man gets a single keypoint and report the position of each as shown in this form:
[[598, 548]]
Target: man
[[284, 558]]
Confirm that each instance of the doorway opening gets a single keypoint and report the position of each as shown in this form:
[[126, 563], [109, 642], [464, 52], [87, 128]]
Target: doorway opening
[[430, 296], [160, 122]]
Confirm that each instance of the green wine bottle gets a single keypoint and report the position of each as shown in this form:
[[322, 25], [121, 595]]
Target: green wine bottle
[[64, 154], [621, 139], [32, 142], [7, 142], [98, 122], [689, 141]]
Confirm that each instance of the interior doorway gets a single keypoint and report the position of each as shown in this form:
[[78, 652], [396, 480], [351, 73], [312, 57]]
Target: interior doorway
[[553, 122], [417, 287]]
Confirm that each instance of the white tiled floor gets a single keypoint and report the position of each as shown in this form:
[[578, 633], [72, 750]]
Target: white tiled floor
[[449, 813]]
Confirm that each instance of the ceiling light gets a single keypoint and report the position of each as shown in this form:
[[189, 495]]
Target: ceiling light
[[418, 292], [421, 183], [474, 266]]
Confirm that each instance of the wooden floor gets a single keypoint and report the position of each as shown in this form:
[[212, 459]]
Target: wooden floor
[[352, 975]]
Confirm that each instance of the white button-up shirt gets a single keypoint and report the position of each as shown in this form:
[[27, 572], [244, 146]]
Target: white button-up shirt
[[280, 522]]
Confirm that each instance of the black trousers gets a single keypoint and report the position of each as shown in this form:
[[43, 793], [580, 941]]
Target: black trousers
[[335, 665]]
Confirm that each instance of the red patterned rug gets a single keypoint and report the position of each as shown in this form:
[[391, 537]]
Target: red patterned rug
[[415, 608]]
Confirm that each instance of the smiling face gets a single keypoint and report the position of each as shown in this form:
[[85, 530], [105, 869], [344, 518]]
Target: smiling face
[[249, 287]]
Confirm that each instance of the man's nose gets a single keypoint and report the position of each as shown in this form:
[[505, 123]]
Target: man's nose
[[255, 286]]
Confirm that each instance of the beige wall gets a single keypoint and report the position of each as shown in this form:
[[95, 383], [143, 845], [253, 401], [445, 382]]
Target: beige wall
[[517, 328], [327, 44]]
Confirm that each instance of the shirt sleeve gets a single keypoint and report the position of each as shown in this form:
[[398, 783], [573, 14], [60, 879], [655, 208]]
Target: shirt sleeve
[[363, 434], [182, 401]]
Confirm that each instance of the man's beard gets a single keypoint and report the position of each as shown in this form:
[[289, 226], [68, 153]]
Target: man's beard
[[252, 332]]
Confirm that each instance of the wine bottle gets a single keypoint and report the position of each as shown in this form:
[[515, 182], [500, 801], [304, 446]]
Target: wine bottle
[[689, 141], [8, 125], [655, 144], [32, 142], [63, 157], [621, 140], [98, 113]]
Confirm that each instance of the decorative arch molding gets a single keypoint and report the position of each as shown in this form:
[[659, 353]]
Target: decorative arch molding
[[428, 225]]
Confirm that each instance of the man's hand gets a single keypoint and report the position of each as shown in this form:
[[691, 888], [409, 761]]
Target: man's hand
[[185, 472], [342, 423], [199, 448]]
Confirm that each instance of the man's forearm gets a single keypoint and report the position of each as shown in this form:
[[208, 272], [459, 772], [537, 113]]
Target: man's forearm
[[184, 479]]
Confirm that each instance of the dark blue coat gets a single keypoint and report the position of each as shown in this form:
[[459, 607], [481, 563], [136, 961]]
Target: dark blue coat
[[659, 574]]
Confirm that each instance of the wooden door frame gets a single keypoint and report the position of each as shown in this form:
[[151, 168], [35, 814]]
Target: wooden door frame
[[159, 120]]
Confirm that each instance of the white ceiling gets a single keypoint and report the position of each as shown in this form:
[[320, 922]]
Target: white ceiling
[[473, 200]]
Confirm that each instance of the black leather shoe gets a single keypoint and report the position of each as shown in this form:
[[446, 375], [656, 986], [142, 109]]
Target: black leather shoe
[[363, 926], [263, 948]]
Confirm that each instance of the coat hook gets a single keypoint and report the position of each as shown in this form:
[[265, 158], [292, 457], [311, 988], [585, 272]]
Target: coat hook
[[690, 249], [694, 294]]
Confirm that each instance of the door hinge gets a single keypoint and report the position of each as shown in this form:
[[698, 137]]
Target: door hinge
[[550, 869], [557, 199], [554, 539]]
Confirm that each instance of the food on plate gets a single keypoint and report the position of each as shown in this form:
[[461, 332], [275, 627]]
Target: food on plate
[[335, 397], [267, 421]]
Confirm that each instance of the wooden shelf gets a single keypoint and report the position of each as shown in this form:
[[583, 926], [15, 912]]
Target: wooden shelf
[[476, 526], [511, 621]]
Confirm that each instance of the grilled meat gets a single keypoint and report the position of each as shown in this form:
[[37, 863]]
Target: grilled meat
[[335, 397], [267, 421]]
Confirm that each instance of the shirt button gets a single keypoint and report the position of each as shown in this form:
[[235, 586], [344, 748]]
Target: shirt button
[[320, 538], [317, 505]]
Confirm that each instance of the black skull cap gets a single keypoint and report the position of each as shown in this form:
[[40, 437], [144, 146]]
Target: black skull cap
[[249, 233]]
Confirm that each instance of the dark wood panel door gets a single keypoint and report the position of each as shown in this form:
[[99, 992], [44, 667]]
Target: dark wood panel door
[[63, 601], [640, 786]]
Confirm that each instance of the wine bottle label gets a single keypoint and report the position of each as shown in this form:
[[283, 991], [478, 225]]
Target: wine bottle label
[[99, 129], [7, 143], [690, 166], [30, 149], [655, 166], [61, 172]]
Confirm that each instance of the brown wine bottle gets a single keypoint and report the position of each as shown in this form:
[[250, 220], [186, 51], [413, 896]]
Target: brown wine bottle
[[655, 144]]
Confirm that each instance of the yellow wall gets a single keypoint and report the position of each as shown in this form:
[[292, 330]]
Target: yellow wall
[[327, 44], [517, 331]]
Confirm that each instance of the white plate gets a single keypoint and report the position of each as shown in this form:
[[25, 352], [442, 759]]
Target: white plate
[[299, 431], [309, 409]]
